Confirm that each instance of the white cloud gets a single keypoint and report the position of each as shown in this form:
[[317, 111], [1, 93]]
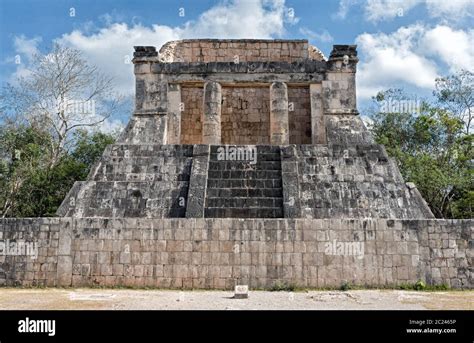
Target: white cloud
[[109, 47], [391, 59], [378, 10], [344, 6], [241, 19], [25, 49], [321, 36], [453, 47], [450, 9], [412, 55]]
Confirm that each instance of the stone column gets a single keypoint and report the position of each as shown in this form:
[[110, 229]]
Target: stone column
[[174, 114], [318, 126], [279, 126], [211, 118], [149, 123]]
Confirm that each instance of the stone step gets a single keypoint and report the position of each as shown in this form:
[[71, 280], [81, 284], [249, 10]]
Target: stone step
[[261, 149], [244, 202], [149, 150], [117, 198], [247, 174], [245, 192], [244, 165], [141, 177], [322, 178], [240, 183], [259, 157], [129, 212], [238, 188], [370, 151], [243, 212]]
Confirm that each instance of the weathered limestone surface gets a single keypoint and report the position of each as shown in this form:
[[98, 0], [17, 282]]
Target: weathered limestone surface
[[318, 126], [231, 50], [220, 253], [211, 116], [175, 107], [134, 180], [279, 128]]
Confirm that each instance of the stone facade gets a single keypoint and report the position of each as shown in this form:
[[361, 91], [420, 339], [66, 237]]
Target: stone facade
[[191, 126], [245, 115], [324, 162], [220, 253], [315, 203], [299, 115], [243, 50]]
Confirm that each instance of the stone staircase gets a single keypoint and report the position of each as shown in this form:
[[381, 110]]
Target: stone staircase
[[241, 189]]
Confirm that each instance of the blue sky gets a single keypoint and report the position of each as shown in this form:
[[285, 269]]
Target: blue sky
[[401, 43]]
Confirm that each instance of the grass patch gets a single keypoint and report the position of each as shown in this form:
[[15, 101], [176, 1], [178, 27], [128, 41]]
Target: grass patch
[[279, 286]]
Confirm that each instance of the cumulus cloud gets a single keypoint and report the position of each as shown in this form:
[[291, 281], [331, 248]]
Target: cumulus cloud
[[24, 49], [111, 47], [380, 10], [412, 55], [241, 19], [450, 9], [377, 10], [392, 59], [453, 47]]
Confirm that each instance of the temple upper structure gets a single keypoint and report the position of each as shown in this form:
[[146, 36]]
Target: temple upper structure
[[281, 100]]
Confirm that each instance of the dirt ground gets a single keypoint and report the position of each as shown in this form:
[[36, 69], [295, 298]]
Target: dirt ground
[[125, 299]]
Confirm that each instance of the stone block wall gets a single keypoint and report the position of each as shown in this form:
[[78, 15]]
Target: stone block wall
[[134, 180], [218, 253], [222, 50], [191, 126], [41, 267], [342, 181], [299, 115], [245, 115]]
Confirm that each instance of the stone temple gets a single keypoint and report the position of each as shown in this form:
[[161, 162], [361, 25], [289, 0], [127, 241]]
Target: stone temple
[[245, 163], [281, 99]]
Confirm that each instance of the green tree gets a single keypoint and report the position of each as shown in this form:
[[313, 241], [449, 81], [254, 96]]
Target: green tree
[[29, 186], [433, 150]]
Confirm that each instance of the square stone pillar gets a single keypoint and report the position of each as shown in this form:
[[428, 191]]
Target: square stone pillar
[[211, 117], [151, 89], [318, 126], [279, 126], [339, 88], [175, 108]]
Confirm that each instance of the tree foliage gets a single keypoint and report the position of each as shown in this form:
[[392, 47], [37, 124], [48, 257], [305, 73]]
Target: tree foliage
[[433, 147], [29, 187]]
